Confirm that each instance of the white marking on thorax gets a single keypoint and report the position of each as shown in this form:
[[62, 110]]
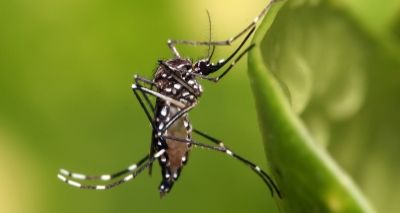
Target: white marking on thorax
[[177, 86]]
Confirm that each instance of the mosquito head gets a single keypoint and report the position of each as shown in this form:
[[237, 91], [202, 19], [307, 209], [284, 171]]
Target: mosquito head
[[205, 67]]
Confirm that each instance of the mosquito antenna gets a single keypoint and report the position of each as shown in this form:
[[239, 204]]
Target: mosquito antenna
[[210, 50]]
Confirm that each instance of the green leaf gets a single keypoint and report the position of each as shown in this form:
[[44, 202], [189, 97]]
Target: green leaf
[[305, 72]]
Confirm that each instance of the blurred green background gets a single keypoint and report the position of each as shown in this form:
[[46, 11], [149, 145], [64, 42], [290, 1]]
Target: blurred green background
[[65, 101]]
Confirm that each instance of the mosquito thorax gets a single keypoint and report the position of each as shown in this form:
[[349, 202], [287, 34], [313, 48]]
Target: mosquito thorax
[[174, 78]]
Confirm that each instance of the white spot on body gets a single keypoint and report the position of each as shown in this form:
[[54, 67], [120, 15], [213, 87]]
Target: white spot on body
[[168, 89], [185, 94], [164, 75], [164, 111], [134, 86], [161, 126], [184, 159], [177, 86], [229, 152], [191, 82], [175, 175], [185, 123], [167, 175], [163, 159]]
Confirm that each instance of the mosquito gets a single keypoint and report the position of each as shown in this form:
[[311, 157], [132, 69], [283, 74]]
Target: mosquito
[[177, 90]]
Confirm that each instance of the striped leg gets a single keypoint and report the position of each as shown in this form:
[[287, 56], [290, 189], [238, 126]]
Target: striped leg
[[261, 173], [127, 178], [104, 177]]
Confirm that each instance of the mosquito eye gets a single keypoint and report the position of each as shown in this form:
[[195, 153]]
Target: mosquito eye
[[202, 65]]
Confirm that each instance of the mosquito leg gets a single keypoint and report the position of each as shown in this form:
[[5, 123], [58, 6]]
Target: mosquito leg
[[227, 42], [233, 63], [104, 177], [266, 178], [143, 106], [158, 95], [212, 139], [116, 183], [222, 63], [139, 79]]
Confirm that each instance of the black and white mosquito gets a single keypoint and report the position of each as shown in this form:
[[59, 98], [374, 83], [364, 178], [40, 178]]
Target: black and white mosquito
[[176, 92]]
